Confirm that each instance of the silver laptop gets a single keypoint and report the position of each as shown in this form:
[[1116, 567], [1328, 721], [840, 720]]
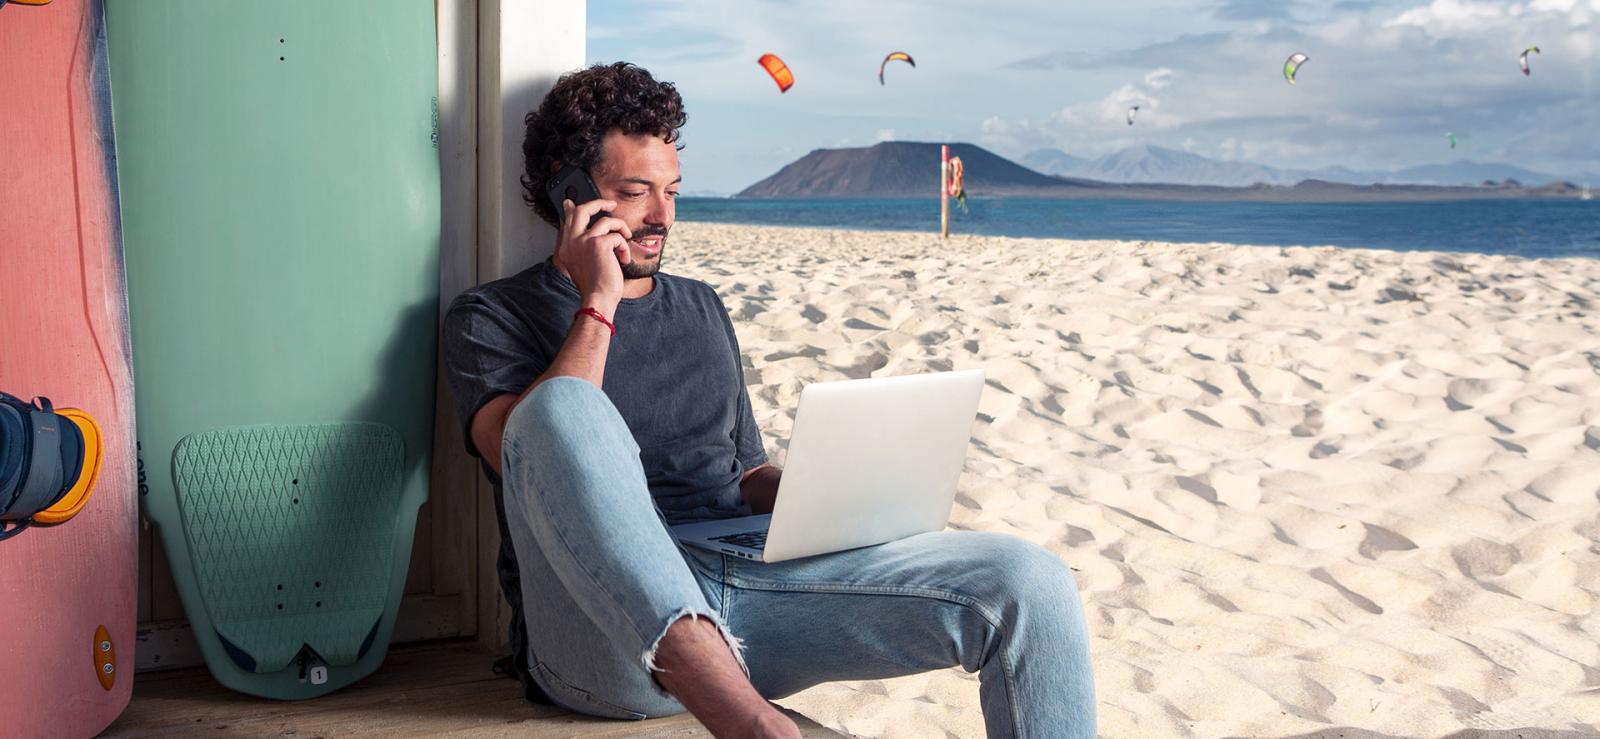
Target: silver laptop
[[870, 461]]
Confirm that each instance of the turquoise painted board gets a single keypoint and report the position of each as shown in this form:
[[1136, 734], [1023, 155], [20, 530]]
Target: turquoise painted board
[[280, 201]]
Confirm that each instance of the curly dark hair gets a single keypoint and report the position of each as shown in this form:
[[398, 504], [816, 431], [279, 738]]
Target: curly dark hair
[[580, 110]]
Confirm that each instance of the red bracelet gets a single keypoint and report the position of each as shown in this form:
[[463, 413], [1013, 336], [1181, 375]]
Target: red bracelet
[[596, 315]]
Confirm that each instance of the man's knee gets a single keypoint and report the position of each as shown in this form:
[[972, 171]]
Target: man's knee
[[566, 442], [563, 411], [1027, 575]]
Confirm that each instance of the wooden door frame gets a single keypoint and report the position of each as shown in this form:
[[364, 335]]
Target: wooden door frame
[[512, 79]]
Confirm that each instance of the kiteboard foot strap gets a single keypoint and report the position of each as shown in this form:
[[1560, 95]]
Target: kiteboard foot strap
[[49, 461]]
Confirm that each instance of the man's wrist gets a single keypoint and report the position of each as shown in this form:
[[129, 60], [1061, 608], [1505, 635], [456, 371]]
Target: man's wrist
[[759, 488], [584, 314], [756, 470], [606, 306]]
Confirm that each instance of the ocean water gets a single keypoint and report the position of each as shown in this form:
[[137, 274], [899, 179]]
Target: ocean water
[[1528, 228]]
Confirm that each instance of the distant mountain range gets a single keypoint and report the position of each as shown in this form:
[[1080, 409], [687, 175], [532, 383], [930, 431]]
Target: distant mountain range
[[909, 169], [1053, 161], [1152, 164]]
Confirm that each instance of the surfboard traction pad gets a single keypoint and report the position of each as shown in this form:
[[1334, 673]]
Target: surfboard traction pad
[[291, 534]]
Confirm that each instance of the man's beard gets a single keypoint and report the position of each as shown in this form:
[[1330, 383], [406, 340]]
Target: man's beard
[[639, 270]]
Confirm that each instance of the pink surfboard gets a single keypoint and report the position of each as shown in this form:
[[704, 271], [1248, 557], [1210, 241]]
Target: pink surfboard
[[68, 592]]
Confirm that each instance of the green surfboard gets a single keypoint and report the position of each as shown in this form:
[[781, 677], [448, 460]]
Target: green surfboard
[[280, 210]]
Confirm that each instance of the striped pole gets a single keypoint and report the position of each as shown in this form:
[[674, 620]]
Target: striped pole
[[944, 190]]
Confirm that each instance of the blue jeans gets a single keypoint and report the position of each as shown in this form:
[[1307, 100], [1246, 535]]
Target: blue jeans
[[603, 578]]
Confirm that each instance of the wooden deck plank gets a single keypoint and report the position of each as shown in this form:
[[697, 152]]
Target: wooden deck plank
[[422, 691]]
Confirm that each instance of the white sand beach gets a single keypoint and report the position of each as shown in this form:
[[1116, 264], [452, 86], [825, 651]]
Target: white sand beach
[[1303, 489]]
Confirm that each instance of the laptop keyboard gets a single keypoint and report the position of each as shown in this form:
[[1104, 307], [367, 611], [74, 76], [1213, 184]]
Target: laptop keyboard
[[754, 539]]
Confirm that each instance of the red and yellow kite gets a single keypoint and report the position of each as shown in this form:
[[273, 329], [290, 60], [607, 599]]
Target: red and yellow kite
[[779, 71], [894, 56]]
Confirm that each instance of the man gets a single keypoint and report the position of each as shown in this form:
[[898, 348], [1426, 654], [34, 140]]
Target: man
[[607, 399]]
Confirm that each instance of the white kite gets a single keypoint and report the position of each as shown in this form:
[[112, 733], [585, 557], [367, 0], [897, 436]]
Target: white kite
[[1293, 65]]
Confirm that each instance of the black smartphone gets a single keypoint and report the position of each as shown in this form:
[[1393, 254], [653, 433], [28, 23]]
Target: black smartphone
[[573, 183]]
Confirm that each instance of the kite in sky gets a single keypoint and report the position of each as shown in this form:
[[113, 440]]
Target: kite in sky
[[1131, 113], [895, 56], [1452, 138], [1293, 65], [779, 71], [1523, 60]]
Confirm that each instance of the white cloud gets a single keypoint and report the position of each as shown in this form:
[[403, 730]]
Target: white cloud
[[1158, 78], [1109, 114], [1457, 16], [1011, 136], [885, 134], [1444, 18]]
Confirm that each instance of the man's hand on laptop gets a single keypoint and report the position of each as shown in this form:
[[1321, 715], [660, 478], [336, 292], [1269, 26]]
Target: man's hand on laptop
[[759, 488]]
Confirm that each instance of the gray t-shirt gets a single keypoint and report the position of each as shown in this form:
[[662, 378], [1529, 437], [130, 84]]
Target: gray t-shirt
[[673, 372]]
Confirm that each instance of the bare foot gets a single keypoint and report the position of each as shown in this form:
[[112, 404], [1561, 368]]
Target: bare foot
[[772, 724]]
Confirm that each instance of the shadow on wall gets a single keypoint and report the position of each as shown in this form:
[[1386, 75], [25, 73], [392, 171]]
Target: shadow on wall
[[405, 369]]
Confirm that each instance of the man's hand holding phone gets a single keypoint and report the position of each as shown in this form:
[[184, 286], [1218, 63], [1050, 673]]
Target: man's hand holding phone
[[593, 257]]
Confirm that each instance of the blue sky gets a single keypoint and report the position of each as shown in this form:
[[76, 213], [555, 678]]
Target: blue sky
[[1386, 79]]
